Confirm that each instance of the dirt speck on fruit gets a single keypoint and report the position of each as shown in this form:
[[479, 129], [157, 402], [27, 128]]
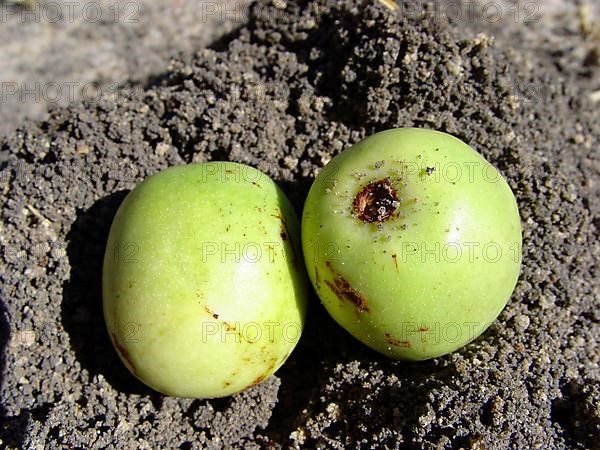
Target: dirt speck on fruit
[[284, 94]]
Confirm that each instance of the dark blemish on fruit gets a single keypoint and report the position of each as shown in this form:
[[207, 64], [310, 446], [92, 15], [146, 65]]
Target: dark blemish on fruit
[[317, 278], [283, 235], [342, 289], [256, 184], [422, 329], [228, 171], [124, 353], [226, 383], [376, 202], [131, 284], [398, 343], [379, 164], [395, 258], [429, 170]]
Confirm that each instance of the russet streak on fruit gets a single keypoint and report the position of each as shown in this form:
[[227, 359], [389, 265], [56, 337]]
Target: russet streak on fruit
[[344, 291]]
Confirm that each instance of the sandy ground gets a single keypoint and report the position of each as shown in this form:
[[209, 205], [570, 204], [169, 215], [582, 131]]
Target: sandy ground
[[295, 85], [62, 51]]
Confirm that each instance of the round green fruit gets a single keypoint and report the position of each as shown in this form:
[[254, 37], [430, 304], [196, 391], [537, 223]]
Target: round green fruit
[[412, 241], [204, 289]]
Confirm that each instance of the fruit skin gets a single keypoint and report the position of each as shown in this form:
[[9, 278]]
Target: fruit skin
[[427, 280], [185, 293]]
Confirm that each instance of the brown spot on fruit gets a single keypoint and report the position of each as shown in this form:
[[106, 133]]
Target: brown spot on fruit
[[395, 258], [376, 202], [123, 352], [283, 235], [398, 343], [422, 329], [226, 383]]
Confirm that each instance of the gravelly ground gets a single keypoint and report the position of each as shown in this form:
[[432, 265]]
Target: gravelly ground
[[296, 85]]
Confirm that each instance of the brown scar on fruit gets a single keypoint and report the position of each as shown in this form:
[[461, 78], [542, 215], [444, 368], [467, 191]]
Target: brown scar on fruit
[[266, 373], [422, 329], [228, 326], [395, 258], [317, 278], [259, 379], [345, 291], [123, 352], [226, 383], [285, 234], [212, 313], [398, 343], [375, 202]]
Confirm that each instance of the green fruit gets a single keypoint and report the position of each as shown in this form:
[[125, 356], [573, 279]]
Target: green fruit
[[412, 241], [204, 289]]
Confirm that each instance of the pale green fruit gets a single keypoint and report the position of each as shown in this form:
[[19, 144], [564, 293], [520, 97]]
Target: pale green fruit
[[412, 241], [204, 289]]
